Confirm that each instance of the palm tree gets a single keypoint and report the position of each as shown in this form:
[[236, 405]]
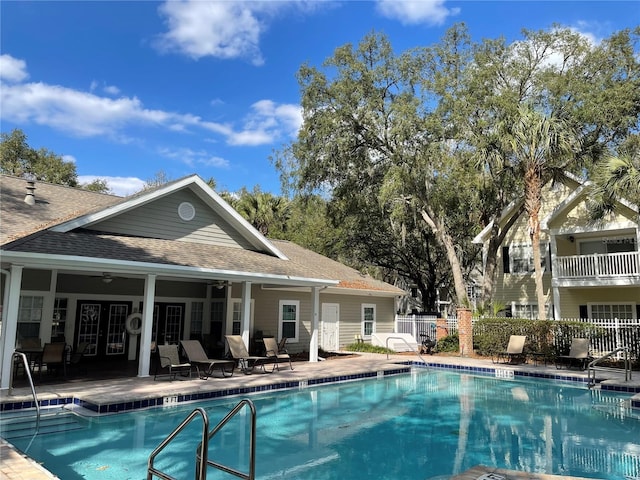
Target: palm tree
[[616, 178], [266, 212], [540, 145]]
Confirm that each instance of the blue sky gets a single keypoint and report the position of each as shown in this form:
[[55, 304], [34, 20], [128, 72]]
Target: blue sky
[[129, 89]]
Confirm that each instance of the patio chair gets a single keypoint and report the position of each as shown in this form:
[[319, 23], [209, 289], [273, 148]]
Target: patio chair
[[169, 361], [514, 352], [275, 353], [76, 357], [578, 355], [54, 357], [239, 352], [198, 357]]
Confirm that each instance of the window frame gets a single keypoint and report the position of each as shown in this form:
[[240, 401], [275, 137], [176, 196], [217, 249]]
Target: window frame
[[526, 255], [364, 321], [282, 320], [631, 306]]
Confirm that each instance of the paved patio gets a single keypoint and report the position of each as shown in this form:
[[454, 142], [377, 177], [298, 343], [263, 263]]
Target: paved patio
[[123, 391]]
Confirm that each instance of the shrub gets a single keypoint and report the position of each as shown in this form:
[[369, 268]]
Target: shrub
[[367, 348], [450, 343]]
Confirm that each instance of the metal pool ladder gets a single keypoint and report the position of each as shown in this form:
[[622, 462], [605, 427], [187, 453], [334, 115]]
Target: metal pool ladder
[[27, 371], [202, 460]]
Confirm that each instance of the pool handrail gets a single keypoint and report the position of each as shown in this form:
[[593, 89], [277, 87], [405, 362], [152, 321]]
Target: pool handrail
[[27, 371], [593, 366], [151, 470], [202, 460], [408, 345], [252, 442]]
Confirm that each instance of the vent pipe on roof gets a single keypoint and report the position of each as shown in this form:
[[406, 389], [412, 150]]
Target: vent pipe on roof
[[30, 198]]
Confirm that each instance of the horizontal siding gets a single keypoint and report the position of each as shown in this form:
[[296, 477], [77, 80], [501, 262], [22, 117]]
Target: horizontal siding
[[159, 219], [573, 298]]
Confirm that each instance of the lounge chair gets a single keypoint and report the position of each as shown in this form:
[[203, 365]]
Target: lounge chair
[[514, 353], [170, 362], [239, 352], [578, 355], [275, 353], [198, 358]]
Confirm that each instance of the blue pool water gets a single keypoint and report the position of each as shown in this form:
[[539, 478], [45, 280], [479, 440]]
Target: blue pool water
[[414, 426]]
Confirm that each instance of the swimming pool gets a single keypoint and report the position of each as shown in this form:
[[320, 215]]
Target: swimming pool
[[412, 426]]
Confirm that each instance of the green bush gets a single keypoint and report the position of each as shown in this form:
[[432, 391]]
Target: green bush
[[548, 337], [367, 348], [450, 343]]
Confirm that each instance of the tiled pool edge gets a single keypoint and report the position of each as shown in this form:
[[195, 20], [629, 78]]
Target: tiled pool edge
[[176, 399]]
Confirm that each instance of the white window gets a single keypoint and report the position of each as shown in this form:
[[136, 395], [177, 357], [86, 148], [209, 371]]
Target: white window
[[236, 318], [29, 316], [289, 317], [527, 310], [197, 315], [521, 258], [610, 311], [368, 319]]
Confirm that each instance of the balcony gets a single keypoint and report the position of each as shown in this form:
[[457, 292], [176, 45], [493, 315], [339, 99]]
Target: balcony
[[604, 269]]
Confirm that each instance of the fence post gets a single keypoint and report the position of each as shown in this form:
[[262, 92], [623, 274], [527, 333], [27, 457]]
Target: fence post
[[414, 327], [465, 331]]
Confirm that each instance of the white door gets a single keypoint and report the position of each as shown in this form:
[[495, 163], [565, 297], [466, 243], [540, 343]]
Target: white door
[[329, 327]]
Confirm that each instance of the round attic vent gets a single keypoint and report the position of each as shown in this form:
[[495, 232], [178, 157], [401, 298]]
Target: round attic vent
[[186, 211]]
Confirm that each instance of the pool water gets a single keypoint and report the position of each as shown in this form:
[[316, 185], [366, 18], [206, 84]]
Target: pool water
[[415, 426]]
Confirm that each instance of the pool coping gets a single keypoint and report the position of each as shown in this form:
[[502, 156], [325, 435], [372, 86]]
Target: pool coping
[[506, 371]]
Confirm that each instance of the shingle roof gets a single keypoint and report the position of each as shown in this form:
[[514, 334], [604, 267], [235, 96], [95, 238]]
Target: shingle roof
[[54, 204], [25, 229]]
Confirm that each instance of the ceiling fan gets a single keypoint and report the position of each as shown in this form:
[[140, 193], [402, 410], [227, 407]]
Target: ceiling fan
[[106, 277]]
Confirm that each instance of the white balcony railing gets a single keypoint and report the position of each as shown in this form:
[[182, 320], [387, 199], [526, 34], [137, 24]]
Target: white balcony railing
[[608, 265]]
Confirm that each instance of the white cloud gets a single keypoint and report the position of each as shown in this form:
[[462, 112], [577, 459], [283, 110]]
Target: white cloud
[[218, 29], [122, 186], [12, 69], [69, 158], [194, 158], [267, 122], [413, 12], [87, 114], [112, 90]]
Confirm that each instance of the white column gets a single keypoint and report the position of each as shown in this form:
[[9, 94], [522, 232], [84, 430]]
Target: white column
[[10, 323], [147, 326], [246, 312], [315, 321]]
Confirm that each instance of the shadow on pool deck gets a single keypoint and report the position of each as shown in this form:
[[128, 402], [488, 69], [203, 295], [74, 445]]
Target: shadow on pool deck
[[108, 386]]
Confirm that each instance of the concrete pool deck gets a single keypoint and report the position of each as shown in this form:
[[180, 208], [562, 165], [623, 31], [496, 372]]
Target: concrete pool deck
[[113, 395]]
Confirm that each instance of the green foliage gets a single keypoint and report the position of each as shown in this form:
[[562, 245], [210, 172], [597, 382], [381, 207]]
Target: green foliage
[[367, 348], [450, 343], [491, 335], [18, 158]]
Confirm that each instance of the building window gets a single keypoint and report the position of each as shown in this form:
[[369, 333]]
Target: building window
[[525, 310], [288, 321], [236, 319], [519, 258], [59, 320], [197, 314], [611, 311], [368, 320], [29, 316]]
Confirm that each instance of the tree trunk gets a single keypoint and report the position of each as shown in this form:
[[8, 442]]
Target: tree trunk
[[532, 206], [445, 239]]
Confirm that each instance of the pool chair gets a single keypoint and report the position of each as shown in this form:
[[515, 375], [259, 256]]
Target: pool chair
[[514, 353], [170, 364], [205, 365], [54, 357], [578, 355], [239, 352], [275, 353]]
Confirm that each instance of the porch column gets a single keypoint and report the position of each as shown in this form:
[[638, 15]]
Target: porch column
[[10, 323], [144, 362], [246, 312], [315, 317]]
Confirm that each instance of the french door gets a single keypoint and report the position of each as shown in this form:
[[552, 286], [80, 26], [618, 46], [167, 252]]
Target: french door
[[101, 324]]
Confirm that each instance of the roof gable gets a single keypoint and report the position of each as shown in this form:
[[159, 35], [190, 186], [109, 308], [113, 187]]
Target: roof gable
[[155, 214]]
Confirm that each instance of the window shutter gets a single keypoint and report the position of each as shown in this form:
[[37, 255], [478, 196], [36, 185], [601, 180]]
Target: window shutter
[[637, 310], [584, 313], [505, 259]]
